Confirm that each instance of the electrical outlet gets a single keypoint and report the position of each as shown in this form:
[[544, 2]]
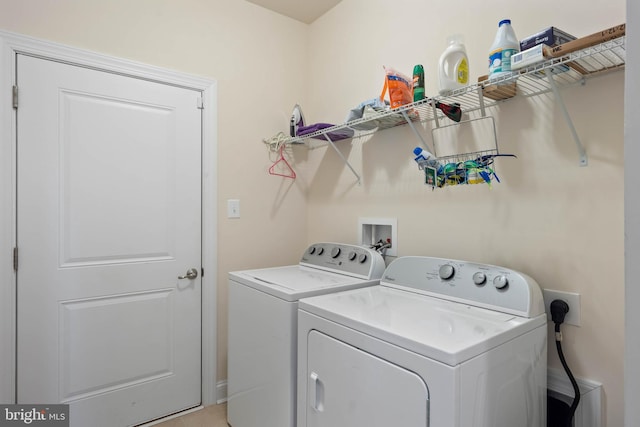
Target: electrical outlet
[[372, 230], [573, 299]]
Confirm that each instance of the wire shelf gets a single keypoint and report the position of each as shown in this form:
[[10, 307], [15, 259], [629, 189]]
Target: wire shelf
[[570, 69], [546, 76]]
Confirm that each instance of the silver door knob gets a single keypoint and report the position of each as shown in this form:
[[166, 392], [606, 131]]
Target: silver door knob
[[192, 273]]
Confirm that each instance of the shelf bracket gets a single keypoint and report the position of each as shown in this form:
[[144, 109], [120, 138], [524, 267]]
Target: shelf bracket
[[435, 112], [413, 128], [344, 159], [581, 151], [483, 113]]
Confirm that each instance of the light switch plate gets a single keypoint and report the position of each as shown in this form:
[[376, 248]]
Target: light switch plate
[[233, 208]]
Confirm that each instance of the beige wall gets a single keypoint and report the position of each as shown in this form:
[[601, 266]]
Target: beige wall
[[255, 57], [558, 222]]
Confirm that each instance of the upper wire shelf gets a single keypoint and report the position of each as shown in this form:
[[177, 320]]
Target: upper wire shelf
[[530, 81]]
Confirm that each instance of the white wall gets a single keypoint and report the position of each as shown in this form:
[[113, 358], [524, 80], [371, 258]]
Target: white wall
[[558, 222], [632, 218]]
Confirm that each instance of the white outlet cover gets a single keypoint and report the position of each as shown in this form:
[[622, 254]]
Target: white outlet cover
[[573, 316]]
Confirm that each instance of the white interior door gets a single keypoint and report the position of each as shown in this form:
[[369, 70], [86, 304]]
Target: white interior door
[[109, 215]]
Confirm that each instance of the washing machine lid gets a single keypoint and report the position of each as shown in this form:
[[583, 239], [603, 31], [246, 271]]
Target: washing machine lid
[[442, 330], [296, 281]]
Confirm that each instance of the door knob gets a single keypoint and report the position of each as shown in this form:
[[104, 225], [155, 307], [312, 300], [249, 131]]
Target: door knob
[[192, 273]]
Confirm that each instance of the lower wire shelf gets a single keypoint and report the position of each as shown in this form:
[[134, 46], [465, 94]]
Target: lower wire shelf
[[462, 169]]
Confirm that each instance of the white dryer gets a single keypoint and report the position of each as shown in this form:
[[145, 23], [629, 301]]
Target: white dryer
[[439, 343], [262, 342]]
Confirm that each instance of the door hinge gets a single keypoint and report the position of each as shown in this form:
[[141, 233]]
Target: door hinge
[[200, 103], [15, 259], [15, 97]]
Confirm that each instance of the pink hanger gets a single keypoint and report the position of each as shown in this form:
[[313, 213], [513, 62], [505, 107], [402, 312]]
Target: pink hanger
[[272, 169]]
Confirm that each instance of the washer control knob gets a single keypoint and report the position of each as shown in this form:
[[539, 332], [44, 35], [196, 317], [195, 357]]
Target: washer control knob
[[479, 278], [312, 250], [335, 252], [501, 281], [352, 256], [320, 250], [446, 271], [362, 258]]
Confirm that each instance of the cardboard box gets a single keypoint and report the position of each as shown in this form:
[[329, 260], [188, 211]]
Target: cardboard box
[[530, 56], [551, 36], [591, 40], [598, 63], [536, 55], [498, 92]]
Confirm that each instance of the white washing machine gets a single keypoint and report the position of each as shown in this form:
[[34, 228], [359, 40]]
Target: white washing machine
[[439, 343], [262, 343]]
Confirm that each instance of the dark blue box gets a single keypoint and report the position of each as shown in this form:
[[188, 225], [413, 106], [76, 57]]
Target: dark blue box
[[550, 36]]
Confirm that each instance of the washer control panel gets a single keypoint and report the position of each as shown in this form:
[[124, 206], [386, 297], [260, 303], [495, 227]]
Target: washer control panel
[[352, 260], [500, 280], [482, 285]]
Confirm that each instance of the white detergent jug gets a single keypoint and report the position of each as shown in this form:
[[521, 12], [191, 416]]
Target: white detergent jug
[[504, 46], [453, 70]]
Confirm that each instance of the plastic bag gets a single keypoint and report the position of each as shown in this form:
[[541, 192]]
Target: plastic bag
[[400, 88], [366, 110]]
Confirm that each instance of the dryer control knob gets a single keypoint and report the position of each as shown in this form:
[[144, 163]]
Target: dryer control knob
[[479, 278], [446, 271], [312, 250], [501, 281], [352, 256], [362, 258], [320, 251], [335, 252]]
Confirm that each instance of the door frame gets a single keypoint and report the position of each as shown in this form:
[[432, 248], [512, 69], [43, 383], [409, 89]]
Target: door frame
[[10, 45]]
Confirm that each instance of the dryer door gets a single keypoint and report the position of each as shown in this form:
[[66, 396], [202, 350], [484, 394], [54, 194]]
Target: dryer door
[[348, 387]]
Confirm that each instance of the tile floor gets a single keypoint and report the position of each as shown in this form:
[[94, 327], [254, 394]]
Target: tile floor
[[210, 416]]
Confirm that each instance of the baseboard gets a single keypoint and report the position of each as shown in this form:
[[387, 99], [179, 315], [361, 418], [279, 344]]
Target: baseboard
[[221, 392], [171, 417], [589, 411]]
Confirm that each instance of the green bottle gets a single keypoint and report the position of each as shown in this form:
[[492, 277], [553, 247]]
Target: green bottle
[[418, 83]]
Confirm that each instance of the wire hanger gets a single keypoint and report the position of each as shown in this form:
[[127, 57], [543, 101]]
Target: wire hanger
[[272, 170]]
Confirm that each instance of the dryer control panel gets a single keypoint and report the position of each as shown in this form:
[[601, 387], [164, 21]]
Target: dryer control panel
[[481, 285], [352, 260]]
